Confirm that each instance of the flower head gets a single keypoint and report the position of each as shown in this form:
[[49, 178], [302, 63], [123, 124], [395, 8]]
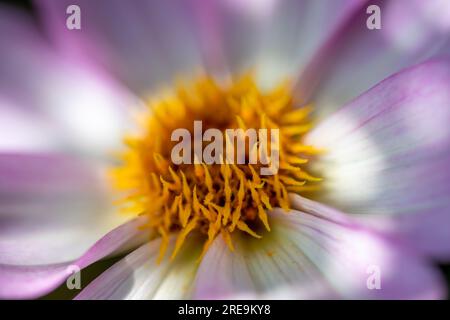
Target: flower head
[[213, 199], [340, 191]]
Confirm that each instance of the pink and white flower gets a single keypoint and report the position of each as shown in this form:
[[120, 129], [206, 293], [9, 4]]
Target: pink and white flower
[[381, 97]]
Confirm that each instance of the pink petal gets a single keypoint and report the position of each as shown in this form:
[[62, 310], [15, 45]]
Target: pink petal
[[361, 57], [142, 43], [162, 40], [138, 276], [292, 36], [275, 38], [313, 255], [32, 281], [78, 108], [25, 131], [53, 210], [387, 153]]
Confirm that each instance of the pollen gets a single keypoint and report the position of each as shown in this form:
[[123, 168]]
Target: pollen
[[221, 198]]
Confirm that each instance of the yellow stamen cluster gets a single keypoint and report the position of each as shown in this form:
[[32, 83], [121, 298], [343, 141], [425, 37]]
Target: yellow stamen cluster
[[215, 199]]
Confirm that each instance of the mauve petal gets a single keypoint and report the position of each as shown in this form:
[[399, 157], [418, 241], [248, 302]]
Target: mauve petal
[[160, 39], [258, 269], [276, 38], [294, 33], [388, 153], [144, 43], [52, 209], [86, 111], [25, 131], [138, 276], [223, 273], [310, 254], [410, 33], [32, 281]]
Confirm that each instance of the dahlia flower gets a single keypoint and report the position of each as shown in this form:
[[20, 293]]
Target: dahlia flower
[[360, 205]]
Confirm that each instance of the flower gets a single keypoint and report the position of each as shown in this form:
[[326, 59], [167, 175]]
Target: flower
[[378, 137]]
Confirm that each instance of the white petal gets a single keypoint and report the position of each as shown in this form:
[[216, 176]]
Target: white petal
[[144, 43], [33, 281], [53, 209], [314, 254], [138, 276], [387, 153], [410, 33], [25, 131], [294, 33], [85, 110]]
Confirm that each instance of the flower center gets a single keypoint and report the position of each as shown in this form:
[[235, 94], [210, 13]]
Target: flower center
[[220, 198]]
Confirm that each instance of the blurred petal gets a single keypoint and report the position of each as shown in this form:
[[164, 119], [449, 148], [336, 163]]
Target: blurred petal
[[52, 209], [311, 255], [32, 281], [25, 131], [148, 43], [144, 43], [410, 33], [85, 110], [388, 152], [138, 276], [259, 268], [276, 38], [295, 32]]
